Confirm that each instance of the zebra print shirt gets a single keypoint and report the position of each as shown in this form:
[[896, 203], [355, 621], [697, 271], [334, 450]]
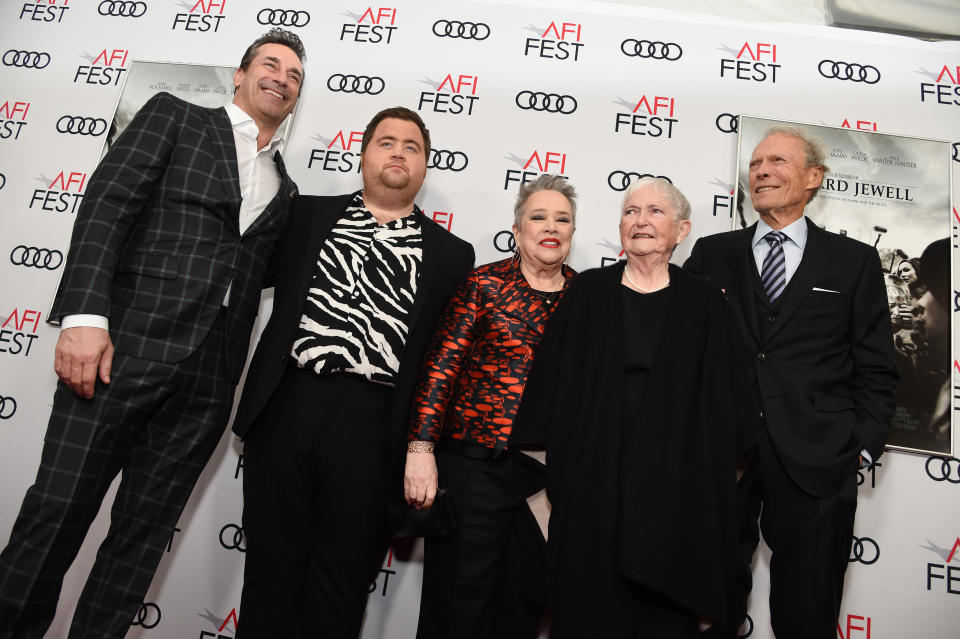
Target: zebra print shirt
[[355, 315]]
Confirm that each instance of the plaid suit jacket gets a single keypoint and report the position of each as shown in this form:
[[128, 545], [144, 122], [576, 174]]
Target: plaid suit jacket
[[157, 239]]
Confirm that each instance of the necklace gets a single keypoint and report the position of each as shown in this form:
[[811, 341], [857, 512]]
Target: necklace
[[626, 274], [548, 297]]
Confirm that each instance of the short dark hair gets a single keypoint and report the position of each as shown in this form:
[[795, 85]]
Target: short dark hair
[[400, 113], [276, 35]]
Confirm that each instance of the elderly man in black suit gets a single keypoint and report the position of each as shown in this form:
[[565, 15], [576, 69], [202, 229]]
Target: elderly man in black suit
[[812, 311], [362, 280], [162, 284]]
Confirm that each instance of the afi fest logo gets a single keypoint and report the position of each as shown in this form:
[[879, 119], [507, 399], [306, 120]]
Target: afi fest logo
[[650, 115], [220, 623], [559, 41], [754, 61], [201, 15], [13, 117], [337, 154], [854, 627], [386, 572], [17, 334], [533, 166], [105, 68], [44, 11], [374, 26], [945, 88], [723, 202], [859, 125], [62, 194], [456, 95], [944, 575]]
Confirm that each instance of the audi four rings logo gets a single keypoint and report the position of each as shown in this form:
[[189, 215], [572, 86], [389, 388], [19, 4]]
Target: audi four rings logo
[[749, 621], [849, 71], [80, 125], [36, 257], [355, 84], [864, 550], [457, 29], [728, 122], [651, 49], [956, 151], [148, 616], [125, 9], [26, 59], [620, 180], [233, 541], [505, 242], [549, 102], [944, 469], [455, 161], [8, 406], [283, 17]]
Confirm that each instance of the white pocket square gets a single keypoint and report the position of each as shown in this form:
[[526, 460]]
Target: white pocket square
[[824, 290]]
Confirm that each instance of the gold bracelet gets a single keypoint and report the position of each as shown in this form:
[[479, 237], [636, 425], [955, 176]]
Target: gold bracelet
[[420, 446]]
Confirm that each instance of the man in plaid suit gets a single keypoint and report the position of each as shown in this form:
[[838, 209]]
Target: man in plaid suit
[[162, 284]]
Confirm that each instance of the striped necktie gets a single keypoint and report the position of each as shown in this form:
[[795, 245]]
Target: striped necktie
[[773, 273]]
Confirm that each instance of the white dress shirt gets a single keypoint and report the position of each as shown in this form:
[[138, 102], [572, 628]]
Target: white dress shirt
[[259, 182], [793, 246]]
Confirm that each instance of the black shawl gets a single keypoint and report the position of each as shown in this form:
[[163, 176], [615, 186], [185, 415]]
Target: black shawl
[[656, 508]]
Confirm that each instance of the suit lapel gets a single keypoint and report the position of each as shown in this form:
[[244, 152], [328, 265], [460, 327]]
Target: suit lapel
[[225, 151], [269, 217], [816, 256], [428, 266]]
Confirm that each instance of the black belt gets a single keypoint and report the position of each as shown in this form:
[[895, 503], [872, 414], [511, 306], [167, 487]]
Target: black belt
[[469, 449]]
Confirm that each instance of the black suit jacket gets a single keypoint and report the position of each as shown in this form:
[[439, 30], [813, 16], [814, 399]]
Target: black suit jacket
[[157, 238], [824, 375], [446, 261]]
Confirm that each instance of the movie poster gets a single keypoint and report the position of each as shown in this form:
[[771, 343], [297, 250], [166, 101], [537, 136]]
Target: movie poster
[[893, 193]]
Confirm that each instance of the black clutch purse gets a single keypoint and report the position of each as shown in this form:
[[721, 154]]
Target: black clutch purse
[[439, 521]]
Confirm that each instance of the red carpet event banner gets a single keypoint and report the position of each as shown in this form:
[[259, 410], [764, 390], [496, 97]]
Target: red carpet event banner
[[508, 91]]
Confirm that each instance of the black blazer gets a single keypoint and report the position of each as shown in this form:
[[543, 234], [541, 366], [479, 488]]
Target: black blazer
[[157, 238], [446, 261], [824, 376]]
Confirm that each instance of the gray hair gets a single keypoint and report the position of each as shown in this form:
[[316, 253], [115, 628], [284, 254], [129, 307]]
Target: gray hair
[[679, 202], [546, 182], [813, 149]]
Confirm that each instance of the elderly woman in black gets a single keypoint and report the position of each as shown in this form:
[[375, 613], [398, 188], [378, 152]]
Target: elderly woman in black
[[634, 394]]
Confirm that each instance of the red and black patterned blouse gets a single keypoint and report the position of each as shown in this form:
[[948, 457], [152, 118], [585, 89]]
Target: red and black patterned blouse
[[477, 364]]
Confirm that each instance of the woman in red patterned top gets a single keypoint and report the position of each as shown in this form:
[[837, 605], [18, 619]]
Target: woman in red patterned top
[[482, 581]]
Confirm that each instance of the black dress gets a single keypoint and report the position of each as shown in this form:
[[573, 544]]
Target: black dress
[[642, 536]]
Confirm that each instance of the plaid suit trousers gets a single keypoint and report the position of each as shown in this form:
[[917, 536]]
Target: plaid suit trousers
[[157, 424]]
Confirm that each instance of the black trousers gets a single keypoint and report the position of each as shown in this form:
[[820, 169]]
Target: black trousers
[[156, 423], [809, 538], [315, 472], [488, 580]]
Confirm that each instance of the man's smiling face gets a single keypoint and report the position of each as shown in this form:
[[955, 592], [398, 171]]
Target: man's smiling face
[[780, 180], [268, 88]]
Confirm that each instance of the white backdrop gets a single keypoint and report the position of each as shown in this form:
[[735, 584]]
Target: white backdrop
[[663, 108]]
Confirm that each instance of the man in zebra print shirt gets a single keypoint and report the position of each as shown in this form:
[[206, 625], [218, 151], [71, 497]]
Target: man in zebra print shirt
[[362, 280]]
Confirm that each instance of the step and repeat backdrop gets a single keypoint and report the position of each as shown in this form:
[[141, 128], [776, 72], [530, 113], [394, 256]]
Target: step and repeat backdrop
[[508, 92]]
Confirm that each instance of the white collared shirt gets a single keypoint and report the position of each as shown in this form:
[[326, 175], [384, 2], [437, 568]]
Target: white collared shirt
[[259, 182], [793, 246]]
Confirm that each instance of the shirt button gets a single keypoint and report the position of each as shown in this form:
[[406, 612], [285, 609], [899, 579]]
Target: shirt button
[[762, 356], [762, 415], [772, 319]]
